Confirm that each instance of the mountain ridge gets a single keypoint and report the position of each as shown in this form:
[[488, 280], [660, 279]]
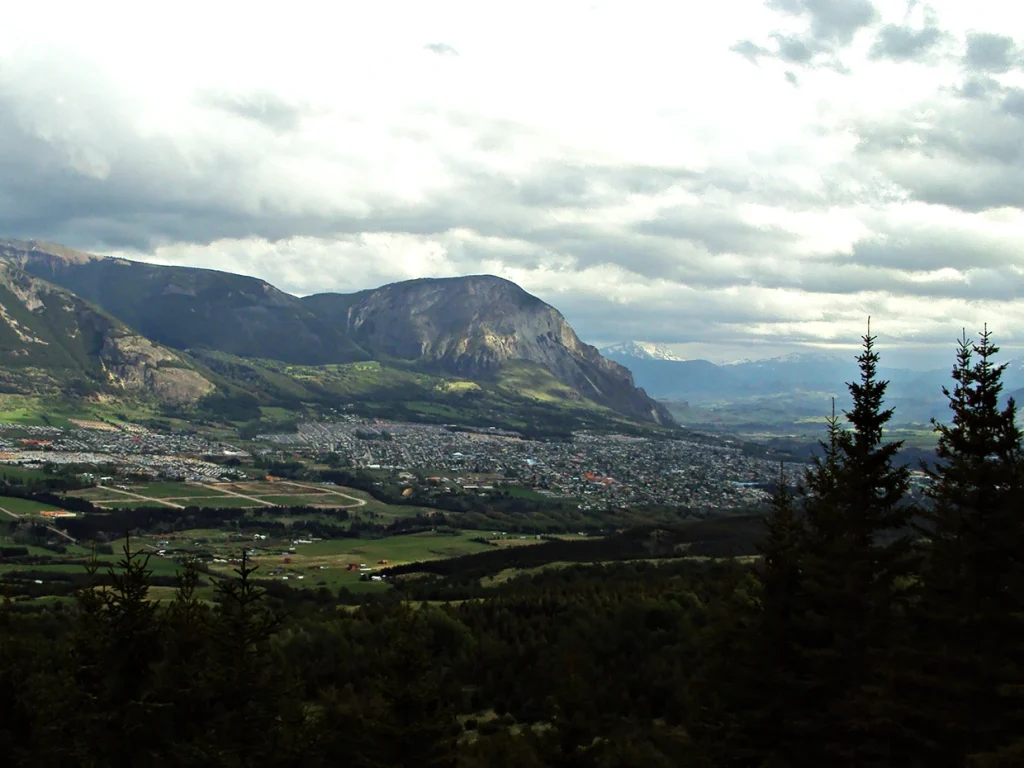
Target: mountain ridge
[[52, 341], [466, 326]]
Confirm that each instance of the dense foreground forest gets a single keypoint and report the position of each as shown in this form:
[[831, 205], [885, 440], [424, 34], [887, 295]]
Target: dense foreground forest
[[872, 632]]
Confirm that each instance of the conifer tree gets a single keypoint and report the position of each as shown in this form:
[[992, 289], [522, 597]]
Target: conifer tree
[[853, 551], [970, 618]]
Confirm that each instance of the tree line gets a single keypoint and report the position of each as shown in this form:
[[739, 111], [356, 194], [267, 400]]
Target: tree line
[[873, 631]]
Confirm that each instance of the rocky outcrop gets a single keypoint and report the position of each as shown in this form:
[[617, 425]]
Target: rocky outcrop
[[467, 326], [471, 326], [52, 340]]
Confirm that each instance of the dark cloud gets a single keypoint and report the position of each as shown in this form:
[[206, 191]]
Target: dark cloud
[[898, 42], [990, 52], [720, 231], [832, 21], [81, 174], [441, 49], [265, 108], [966, 154]]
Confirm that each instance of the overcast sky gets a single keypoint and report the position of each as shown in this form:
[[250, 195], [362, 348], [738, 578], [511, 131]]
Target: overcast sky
[[753, 175]]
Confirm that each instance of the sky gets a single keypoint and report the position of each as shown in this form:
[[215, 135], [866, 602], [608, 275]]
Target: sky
[[747, 179]]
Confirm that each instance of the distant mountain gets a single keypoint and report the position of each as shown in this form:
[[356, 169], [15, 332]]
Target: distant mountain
[[471, 327], [804, 380], [53, 342], [643, 350], [674, 379]]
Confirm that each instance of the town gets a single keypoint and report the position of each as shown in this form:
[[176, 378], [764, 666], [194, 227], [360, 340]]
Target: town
[[599, 471], [602, 471]]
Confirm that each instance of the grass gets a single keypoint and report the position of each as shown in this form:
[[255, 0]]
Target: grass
[[24, 506], [519, 492], [20, 473], [33, 410], [273, 413], [172, 490], [302, 501], [537, 383]]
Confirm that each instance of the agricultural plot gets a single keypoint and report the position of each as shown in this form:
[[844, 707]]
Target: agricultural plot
[[235, 495], [19, 507], [336, 563]]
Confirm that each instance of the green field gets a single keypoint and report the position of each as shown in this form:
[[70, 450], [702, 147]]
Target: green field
[[20, 473], [24, 506], [279, 493], [172, 490]]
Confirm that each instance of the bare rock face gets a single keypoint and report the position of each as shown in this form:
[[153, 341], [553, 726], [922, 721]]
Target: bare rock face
[[467, 326], [471, 326], [49, 338], [133, 362]]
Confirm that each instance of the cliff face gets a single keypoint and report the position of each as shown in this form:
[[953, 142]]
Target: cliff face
[[467, 326], [471, 326], [188, 308], [52, 340]]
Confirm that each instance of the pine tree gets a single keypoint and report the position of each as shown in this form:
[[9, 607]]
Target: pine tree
[[851, 557], [252, 710], [970, 619]]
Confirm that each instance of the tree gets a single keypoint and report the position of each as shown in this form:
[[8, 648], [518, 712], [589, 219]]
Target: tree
[[845, 560], [969, 669]]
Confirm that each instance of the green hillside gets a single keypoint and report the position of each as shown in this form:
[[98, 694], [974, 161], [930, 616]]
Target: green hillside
[[520, 396], [54, 343]]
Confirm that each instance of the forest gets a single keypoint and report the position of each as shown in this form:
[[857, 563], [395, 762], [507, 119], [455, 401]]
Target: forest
[[872, 630]]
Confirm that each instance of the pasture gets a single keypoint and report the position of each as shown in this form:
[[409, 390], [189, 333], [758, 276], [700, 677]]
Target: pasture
[[251, 494], [20, 507]]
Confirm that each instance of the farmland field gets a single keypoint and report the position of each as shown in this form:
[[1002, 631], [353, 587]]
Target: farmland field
[[237, 494], [23, 506]]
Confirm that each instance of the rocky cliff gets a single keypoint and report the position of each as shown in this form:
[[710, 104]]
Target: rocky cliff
[[471, 326], [467, 326], [52, 341]]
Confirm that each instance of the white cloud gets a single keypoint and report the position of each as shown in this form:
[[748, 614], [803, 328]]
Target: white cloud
[[620, 159]]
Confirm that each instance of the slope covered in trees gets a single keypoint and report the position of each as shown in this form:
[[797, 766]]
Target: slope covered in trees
[[872, 632]]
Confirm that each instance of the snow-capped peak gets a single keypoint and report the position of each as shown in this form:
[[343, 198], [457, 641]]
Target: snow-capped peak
[[642, 349]]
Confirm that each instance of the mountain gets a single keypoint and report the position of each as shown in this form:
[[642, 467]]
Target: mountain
[[474, 326], [790, 388], [53, 342], [643, 350], [188, 308], [477, 328]]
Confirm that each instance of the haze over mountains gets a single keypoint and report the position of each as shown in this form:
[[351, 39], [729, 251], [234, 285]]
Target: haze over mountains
[[470, 327], [805, 379]]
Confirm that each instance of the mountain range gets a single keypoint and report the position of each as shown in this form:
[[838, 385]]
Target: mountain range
[[804, 379], [115, 325]]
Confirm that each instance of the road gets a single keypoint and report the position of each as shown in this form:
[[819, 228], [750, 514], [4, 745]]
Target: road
[[50, 528], [221, 489], [357, 502]]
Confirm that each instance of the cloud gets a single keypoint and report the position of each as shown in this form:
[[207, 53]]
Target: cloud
[[268, 109], [832, 26], [749, 50], [991, 52], [733, 207], [899, 42], [832, 21], [441, 49], [965, 154]]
